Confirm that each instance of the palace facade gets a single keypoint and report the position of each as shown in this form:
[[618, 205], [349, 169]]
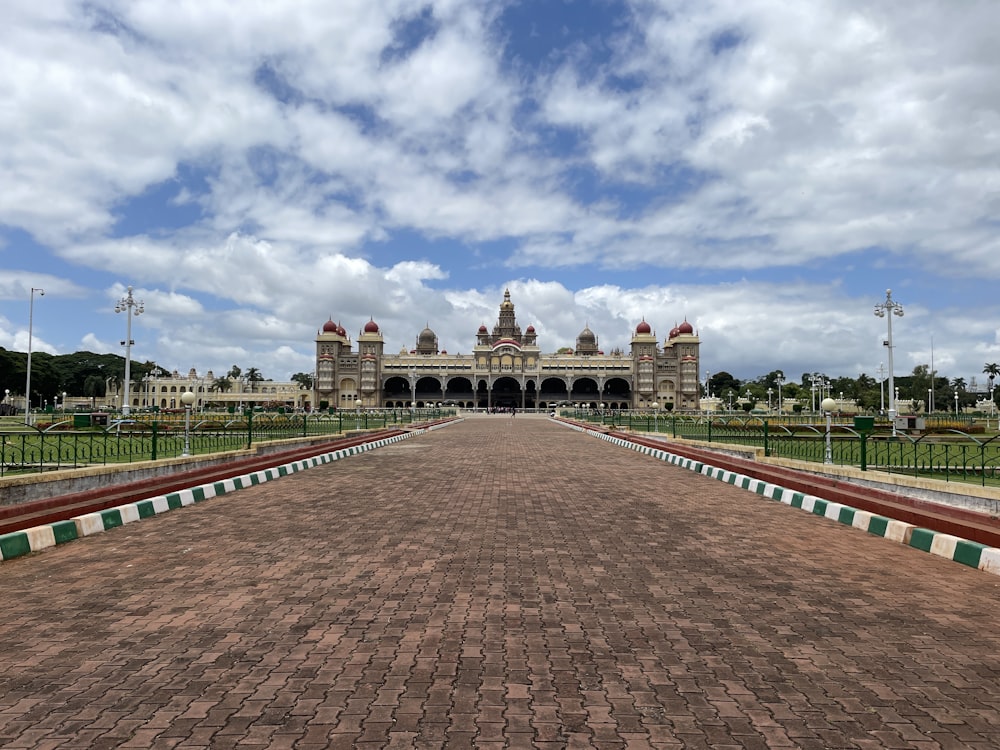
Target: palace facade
[[507, 368]]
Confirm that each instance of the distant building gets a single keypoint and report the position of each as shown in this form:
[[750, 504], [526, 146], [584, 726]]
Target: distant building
[[507, 369], [164, 392]]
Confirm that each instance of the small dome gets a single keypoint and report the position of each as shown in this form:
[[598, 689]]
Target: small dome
[[371, 327], [643, 327], [530, 329], [427, 335], [341, 330], [329, 326], [674, 332], [482, 329], [685, 327]]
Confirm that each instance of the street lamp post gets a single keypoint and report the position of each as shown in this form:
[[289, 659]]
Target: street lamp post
[[31, 321], [769, 392], [187, 398], [780, 381], [956, 402], [130, 306], [881, 387], [357, 413], [886, 310], [828, 405], [656, 417]]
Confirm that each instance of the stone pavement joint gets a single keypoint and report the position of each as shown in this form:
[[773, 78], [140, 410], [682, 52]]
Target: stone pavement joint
[[502, 583]]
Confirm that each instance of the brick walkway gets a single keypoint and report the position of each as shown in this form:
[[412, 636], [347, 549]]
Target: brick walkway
[[498, 583]]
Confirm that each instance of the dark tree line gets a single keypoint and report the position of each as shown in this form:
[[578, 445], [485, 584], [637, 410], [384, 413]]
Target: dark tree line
[[80, 373], [865, 390]]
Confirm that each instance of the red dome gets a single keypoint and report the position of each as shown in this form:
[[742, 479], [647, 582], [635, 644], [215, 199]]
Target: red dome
[[329, 326], [530, 329], [674, 331], [482, 329], [341, 330], [685, 327], [371, 327], [643, 327]]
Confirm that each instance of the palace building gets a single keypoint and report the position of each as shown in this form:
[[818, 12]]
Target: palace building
[[507, 368]]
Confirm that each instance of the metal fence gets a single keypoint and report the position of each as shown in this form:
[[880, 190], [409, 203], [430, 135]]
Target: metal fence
[[946, 453], [61, 444]]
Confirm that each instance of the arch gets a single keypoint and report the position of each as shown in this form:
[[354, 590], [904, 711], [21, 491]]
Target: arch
[[506, 392], [585, 389], [429, 389], [459, 388], [617, 389], [396, 388], [530, 400]]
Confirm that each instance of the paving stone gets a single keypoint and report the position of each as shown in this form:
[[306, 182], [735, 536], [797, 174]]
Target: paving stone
[[507, 583]]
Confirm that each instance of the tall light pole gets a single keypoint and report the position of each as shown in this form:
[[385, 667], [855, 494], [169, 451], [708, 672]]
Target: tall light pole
[[130, 306], [881, 387], [956, 402], [656, 417], [886, 310], [187, 398], [828, 405], [780, 381], [769, 392], [31, 321]]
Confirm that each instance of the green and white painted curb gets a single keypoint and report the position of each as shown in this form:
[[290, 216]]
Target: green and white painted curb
[[19, 543], [950, 547]]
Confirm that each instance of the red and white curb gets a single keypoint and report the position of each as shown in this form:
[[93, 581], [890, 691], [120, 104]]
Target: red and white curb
[[950, 547], [20, 543]]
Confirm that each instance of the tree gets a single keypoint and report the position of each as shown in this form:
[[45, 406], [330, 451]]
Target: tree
[[253, 376], [992, 370], [222, 385], [94, 387], [234, 372], [304, 379], [723, 381]]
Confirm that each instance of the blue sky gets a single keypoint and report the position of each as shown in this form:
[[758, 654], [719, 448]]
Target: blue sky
[[764, 170]]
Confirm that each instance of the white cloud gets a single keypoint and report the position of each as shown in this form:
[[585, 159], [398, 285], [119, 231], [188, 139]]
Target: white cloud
[[715, 139]]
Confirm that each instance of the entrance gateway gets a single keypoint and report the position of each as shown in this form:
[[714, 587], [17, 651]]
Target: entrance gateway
[[507, 369]]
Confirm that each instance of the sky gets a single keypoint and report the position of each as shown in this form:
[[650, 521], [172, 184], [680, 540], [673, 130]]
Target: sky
[[765, 170]]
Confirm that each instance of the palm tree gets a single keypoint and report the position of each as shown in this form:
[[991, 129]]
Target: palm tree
[[221, 385], [253, 377], [992, 370]]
